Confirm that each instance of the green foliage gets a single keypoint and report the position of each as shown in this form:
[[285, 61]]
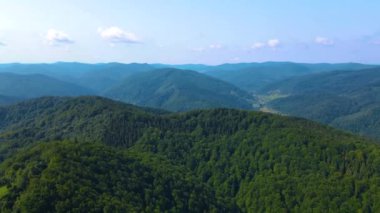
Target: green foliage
[[256, 161], [273, 163], [84, 177], [83, 119], [3, 191], [179, 90]]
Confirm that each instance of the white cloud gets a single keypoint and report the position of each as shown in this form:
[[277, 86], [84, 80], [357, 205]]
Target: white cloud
[[58, 37], [273, 43], [324, 41], [2, 44], [215, 46], [258, 45], [209, 47], [198, 49], [117, 35]]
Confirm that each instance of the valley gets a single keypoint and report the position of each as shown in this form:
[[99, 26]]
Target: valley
[[346, 99]]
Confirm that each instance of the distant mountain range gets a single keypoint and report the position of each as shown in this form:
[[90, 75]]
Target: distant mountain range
[[37, 85], [97, 77], [252, 77], [107, 76], [343, 95], [142, 84]]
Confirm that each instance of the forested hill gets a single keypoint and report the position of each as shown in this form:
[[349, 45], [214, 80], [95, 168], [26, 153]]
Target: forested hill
[[346, 99], [84, 118], [252, 161], [179, 90]]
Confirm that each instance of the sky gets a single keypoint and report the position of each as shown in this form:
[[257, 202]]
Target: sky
[[189, 31]]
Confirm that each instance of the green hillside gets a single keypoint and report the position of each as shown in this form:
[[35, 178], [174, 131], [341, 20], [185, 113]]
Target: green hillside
[[84, 177], [346, 99], [257, 161], [179, 90], [85, 119]]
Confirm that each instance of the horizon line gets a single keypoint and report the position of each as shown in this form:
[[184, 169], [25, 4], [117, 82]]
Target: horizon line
[[181, 64]]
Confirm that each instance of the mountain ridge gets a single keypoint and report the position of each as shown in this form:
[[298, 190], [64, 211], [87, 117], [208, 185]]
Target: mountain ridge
[[179, 90]]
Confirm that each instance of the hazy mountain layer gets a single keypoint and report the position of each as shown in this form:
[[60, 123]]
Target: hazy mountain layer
[[255, 76], [36, 85]]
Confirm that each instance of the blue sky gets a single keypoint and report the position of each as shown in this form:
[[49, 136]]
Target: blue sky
[[191, 31]]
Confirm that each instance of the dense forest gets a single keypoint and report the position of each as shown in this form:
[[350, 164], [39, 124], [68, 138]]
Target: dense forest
[[101, 155], [88, 177]]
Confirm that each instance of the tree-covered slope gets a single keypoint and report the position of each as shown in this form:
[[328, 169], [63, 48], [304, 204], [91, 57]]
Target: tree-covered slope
[[87, 177], [37, 85], [273, 163], [365, 122], [179, 90], [345, 99], [84, 119], [259, 161]]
